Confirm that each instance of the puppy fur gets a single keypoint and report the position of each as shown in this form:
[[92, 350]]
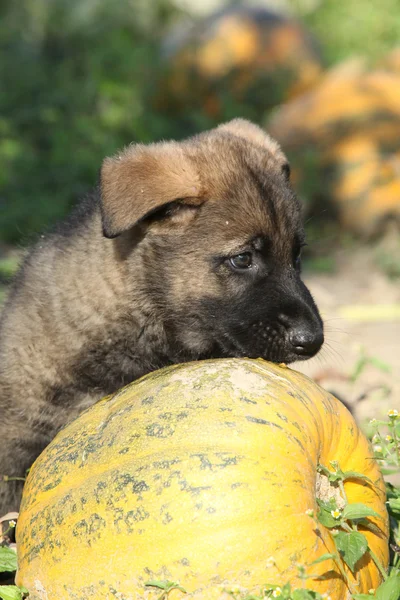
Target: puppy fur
[[186, 250]]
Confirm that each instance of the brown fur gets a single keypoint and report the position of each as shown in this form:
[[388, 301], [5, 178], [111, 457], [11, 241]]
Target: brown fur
[[88, 314]]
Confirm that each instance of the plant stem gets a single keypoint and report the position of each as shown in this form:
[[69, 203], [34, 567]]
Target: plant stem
[[377, 563], [342, 490]]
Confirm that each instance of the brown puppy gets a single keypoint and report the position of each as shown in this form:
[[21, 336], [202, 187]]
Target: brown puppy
[[205, 263]]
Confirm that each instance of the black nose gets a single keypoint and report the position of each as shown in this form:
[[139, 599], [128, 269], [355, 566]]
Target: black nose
[[306, 342]]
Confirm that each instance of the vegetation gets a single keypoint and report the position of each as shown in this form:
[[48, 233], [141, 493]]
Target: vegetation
[[81, 80], [77, 76]]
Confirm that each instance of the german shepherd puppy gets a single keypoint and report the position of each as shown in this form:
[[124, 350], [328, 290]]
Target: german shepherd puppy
[[186, 251]]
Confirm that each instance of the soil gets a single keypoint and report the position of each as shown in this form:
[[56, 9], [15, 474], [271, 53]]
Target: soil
[[360, 305]]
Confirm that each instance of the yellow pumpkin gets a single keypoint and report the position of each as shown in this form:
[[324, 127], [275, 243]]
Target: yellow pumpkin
[[199, 473]]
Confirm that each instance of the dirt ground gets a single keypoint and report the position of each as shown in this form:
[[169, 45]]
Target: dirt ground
[[360, 304]]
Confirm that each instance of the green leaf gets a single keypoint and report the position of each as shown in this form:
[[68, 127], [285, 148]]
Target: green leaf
[[362, 596], [356, 475], [387, 470], [389, 589], [8, 560], [162, 585], [11, 592], [394, 504], [166, 585], [369, 525], [326, 556], [358, 369], [326, 519], [352, 546], [331, 475], [324, 516], [381, 365], [286, 589], [358, 511]]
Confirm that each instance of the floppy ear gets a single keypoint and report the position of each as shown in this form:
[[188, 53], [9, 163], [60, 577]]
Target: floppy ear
[[142, 179], [252, 133]]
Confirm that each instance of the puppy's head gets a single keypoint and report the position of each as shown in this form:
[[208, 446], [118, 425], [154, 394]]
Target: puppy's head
[[222, 242]]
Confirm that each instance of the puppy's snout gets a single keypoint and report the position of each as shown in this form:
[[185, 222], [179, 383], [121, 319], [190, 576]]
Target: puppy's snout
[[306, 341], [306, 336]]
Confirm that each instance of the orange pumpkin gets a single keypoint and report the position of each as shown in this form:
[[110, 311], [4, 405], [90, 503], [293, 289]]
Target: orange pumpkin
[[200, 473], [235, 56], [350, 123]]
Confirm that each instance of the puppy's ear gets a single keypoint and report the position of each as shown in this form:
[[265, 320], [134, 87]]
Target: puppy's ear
[[254, 134], [141, 180]]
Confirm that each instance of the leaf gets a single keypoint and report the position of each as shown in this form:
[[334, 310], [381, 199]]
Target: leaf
[[331, 475], [326, 556], [11, 592], [8, 560], [394, 504], [325, 517], [162, 585], [167, 586], [387, 470], [362, 596], [356, 475], [380, 364], [369, 525], [358, 369], [358, 511], [352, 546], [389, 589], [329, 505], [286, 589]]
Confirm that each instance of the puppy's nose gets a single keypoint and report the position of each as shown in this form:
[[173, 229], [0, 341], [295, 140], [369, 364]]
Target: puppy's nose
[[305, 341]]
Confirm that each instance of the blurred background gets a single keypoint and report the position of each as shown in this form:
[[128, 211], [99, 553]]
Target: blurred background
[[79, 79]]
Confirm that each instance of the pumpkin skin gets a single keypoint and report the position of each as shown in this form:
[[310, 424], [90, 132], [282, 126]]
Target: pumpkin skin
[[198, 473], [350, 123]]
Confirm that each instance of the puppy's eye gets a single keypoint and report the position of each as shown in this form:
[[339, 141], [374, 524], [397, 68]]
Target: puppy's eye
[[241, 261]]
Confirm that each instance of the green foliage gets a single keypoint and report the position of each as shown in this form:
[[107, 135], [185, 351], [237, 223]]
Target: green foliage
[[8, 560], [80, 79], [352, 546], [78, 76], [166, 586], [8, 268], [8, 564], [12, 592], [355, 27]]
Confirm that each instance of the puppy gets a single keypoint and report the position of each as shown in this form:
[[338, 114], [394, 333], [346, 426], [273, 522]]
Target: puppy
[[186, 251]]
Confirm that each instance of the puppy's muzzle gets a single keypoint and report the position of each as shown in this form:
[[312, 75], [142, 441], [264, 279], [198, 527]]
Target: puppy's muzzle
[[305, 342], [305, 336]]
